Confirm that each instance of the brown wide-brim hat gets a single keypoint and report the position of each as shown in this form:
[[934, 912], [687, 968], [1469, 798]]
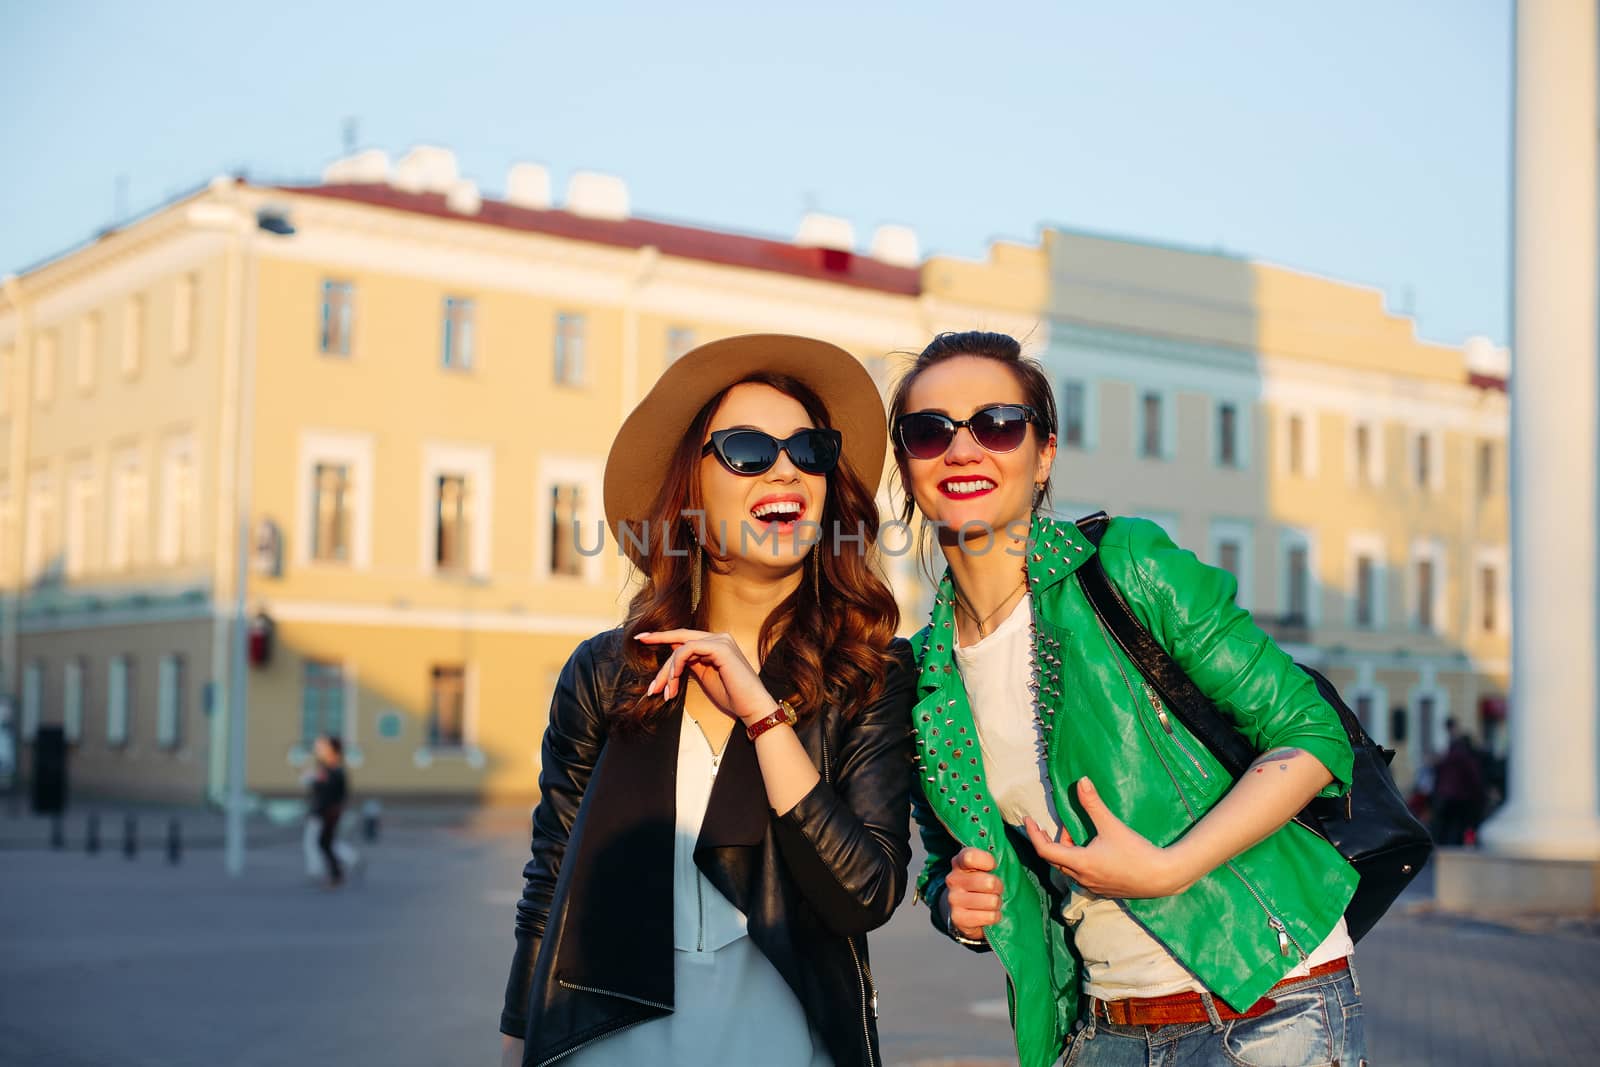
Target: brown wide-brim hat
[[642, 451]]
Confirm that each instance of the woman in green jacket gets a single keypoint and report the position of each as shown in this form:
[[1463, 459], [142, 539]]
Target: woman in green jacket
[[1147, 909]]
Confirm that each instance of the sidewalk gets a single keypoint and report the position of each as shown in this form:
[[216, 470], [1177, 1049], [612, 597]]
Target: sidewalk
[[136, 962]]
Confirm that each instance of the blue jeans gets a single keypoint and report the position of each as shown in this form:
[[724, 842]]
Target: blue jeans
[[1315, 1023]]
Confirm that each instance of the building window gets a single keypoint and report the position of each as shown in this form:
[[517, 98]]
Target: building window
[[88, 351], [322, 708], [179, 497], [1425, 590], [40, 544], [128, 514], [44, 369], [330, 509], [32, 699], [338, 319], [1228, 434], [132, 336], [566, 506], [1151, 443], [679, 340], [183, 317], [1488, 593], [1297, 444], [569, 349], [1423, 461], [447, 707], [1362, 447], [453, 526], [72, 677], [1230, 556], [1485, 469], [1074, 414], [169, 702], [80, 505], [1297, 579], [333, 490], [1425, 715], [459, 351], [118, 700], [1364, 709], [1366, 592]]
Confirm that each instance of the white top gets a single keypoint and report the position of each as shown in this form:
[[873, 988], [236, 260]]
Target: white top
[[730, 1005], [703, 920], [1120, 958]]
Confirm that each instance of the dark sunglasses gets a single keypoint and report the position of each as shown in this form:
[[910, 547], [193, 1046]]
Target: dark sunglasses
[[998, 428], [753, 452]]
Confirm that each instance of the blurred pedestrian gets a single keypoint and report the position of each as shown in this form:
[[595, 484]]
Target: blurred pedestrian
[[1458, 790], [725, 779], [329, 789]]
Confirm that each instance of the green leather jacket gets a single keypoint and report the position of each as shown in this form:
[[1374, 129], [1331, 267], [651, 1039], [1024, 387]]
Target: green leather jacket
[[1238, 929]]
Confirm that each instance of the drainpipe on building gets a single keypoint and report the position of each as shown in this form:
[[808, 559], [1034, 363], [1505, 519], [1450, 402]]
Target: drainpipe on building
[[21, 387]]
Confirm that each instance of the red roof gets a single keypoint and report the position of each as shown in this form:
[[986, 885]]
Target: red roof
[[733, 250], [1486, 381]]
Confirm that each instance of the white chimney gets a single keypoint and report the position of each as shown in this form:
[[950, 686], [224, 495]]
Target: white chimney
[[826, 231], [463, 197], [528, 185], [426, 169], [597, 196], [897, 245], [1485, 357], [364, 168]]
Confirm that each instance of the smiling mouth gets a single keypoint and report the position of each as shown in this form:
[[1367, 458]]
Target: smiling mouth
[[966, 488], [778, 512]]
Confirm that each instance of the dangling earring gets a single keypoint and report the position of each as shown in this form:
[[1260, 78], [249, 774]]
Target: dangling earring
[[696, 562], [816, 573], [1038, 494]]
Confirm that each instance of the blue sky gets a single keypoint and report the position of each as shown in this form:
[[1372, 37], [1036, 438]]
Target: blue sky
[[1367, 139]]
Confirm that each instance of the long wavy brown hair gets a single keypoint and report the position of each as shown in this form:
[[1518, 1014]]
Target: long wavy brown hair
[[829, 645]]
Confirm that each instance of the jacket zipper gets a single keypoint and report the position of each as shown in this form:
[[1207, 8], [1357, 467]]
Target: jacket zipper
[[863, 975], [1166, 724], [605, 1033], [1285, 938]]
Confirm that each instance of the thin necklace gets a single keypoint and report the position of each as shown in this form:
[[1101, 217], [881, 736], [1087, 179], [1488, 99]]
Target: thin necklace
[[983, 621], [716, 754]]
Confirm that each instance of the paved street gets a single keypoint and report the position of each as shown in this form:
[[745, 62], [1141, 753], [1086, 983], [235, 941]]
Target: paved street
[[134, 963]]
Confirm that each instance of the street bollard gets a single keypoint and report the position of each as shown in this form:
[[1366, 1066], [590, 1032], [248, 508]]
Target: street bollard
[[58, 835], [370, 813], [91, 838], [130, 837], [174, 842]]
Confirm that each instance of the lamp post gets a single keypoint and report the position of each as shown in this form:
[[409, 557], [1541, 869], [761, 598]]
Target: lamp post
[[276, 222]]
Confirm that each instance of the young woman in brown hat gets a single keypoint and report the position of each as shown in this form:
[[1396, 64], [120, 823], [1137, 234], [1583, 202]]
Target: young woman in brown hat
[[725, 778]]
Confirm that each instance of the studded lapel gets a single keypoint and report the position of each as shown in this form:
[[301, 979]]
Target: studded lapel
[[950, 764]]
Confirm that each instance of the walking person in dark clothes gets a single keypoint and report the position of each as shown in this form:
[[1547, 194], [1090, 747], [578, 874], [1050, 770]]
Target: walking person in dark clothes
[[328, 789]]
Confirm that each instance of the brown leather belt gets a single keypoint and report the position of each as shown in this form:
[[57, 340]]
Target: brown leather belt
[[1180, 1008]]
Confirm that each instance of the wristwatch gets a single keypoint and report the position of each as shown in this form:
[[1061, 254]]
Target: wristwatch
[[782, 715]]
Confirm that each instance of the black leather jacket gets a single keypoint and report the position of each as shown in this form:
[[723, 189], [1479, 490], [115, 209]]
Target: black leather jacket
[[594, 925]]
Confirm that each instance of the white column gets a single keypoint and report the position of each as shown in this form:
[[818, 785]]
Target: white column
[[1554, 807]]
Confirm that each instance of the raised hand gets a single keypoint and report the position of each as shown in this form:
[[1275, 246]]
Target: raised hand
[[719, 665]]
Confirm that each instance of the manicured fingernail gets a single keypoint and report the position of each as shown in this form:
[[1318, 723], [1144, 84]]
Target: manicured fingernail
[[1088, 786]]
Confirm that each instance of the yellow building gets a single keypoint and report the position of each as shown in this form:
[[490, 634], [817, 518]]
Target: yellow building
[[404, 393], [384, 399]]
